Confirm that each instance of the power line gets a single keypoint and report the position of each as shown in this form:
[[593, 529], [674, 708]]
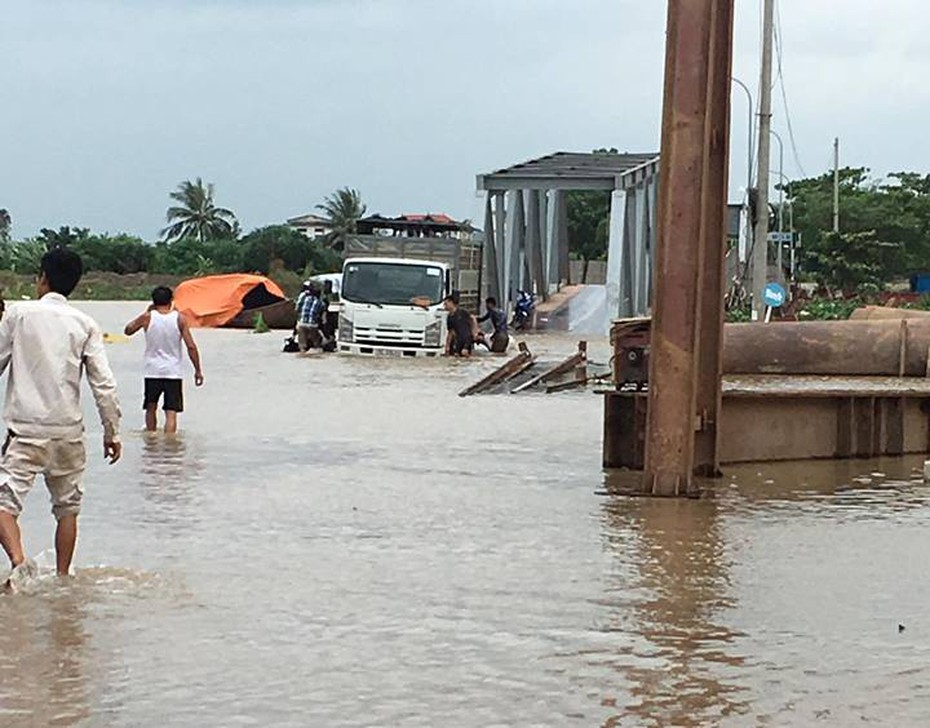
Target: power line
[[784, 93]]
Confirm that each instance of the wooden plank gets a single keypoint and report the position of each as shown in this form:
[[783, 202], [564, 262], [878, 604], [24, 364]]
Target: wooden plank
[[565, 386], [517, 365], [575, 360]]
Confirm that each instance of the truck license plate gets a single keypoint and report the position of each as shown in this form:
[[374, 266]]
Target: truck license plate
[[387, 352]]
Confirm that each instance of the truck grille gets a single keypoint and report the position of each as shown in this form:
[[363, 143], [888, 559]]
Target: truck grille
[[389, 337]]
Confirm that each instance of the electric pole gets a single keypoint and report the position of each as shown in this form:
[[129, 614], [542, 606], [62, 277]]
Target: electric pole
[[760, 249], [836, 185]]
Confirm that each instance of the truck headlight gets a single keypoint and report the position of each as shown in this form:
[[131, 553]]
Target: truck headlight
[[432, 336], [346, 329]]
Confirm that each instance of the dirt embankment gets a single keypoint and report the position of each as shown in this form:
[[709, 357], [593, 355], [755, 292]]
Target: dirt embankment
[[94, 286]]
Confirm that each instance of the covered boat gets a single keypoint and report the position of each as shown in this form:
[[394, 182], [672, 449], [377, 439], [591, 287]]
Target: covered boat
[[235, 301]]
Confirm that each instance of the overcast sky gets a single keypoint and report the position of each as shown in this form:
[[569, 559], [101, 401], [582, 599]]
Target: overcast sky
[[106, 106]]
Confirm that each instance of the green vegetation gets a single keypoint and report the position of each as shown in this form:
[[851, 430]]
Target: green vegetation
[[6, 222], [588, 213], [197, 216], [202, 240], [830, 309], [344, 208], [823, 308], [260, 327], [588, 225], [885, 229]]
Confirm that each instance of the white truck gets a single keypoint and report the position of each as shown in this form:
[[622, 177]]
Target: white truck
[[391, 302]]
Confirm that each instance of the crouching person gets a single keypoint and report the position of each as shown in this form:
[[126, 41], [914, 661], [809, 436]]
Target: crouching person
[[45, 347], [309, 314]]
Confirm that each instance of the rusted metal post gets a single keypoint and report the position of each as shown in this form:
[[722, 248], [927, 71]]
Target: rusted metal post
[[684, 390], [708, 400]]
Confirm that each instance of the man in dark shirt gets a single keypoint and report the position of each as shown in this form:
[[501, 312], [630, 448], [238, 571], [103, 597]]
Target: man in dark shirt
[[460, 340], [500, 339]]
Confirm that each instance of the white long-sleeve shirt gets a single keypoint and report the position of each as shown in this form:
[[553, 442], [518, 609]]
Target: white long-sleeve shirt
[[48, 345]]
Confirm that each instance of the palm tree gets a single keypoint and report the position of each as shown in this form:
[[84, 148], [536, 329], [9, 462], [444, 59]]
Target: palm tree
[[197, 216], [344, 208]]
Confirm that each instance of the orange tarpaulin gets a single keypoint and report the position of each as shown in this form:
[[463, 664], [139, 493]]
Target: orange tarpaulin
[[217, 300]]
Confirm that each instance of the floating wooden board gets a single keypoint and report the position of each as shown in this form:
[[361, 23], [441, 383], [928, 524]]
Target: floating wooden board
[[576, 360], [517, 365]]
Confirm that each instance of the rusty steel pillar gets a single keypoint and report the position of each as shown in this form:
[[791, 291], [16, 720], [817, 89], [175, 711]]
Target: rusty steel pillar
[[708, 400], [687, 325]]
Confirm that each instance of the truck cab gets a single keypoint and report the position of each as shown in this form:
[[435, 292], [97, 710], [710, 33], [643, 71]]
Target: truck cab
[[393, 307]]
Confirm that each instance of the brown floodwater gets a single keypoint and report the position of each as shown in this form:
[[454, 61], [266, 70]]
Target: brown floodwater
[[345, 542]]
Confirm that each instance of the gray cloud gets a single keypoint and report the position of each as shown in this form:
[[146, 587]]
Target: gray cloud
[[106, 106]]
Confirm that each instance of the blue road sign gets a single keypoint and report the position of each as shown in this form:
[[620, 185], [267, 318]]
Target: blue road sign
[[774, 295]]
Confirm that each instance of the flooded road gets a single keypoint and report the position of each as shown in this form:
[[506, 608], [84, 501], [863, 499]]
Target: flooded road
[[340, 542]]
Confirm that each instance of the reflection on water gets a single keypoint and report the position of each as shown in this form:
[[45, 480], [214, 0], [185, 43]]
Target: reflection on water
[[685, 649], [45, 645], [885, 488], [170, 474]]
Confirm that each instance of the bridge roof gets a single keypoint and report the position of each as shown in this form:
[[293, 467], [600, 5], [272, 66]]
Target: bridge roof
[[573, 171]]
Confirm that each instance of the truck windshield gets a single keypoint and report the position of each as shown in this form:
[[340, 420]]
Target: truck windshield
[[391, 283]]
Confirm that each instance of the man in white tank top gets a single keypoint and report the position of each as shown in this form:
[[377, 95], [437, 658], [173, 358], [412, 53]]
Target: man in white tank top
[[165, 330]]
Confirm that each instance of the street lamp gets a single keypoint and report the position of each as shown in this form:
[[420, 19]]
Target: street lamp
[[750, 129]]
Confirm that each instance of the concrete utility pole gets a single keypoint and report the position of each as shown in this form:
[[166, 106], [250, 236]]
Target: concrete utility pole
[[836, 185], [687, 323], [760, 251]]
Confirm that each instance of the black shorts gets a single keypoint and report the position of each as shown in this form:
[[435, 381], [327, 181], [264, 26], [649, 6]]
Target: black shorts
[[461, 344], [171, 388]]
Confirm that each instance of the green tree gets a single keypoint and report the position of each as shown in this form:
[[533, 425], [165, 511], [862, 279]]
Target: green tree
[[196, 214], [190, 257], [26, 256], [63, 237], [344, 208], [261, 248], [851, 262], [6, 223], [588, 225], [119, 253], [885, 227]]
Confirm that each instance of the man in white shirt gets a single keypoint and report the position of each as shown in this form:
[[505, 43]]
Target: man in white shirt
[[165, 330], [48, 345]]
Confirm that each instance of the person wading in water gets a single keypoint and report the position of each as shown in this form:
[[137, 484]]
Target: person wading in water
[[165, 330], [47, 346]]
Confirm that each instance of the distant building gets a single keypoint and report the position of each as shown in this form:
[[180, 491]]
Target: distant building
[[310, 225], [429, 225]]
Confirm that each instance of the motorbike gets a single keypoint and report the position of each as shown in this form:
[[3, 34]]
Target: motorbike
[[523, 310]]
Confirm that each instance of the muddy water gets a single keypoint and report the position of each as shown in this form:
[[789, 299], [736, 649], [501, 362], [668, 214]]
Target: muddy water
[[336, 542]]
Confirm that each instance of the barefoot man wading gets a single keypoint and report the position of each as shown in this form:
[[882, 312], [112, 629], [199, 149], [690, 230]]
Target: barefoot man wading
[[47, 345], [165, 329]]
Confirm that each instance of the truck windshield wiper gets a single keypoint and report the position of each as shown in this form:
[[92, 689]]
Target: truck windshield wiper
[[370, 303]]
